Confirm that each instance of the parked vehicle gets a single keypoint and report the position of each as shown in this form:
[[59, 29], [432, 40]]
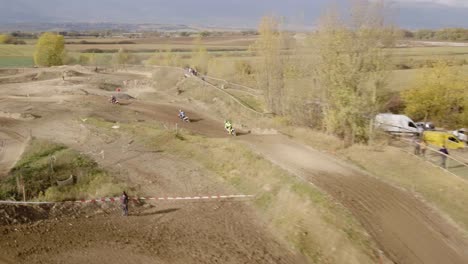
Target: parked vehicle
[[425, 125], [441, 138], [397, 124], [461, 134]]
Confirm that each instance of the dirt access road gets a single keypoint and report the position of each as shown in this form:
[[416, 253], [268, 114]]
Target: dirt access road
[[408, 230]]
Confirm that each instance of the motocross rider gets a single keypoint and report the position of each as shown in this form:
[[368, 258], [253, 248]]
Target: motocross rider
[[181, 114], [228, 125]]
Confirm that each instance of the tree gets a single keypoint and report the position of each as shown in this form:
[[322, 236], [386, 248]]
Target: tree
[[270, 77], [201, 58], [84, 59], [439, 94], [121, 57], [165, 57], [205, 34], [5, 39], [352, 69], [50, 50]]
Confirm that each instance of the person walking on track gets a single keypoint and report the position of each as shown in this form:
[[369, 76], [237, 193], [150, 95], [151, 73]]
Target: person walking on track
[[124, 203], [444, 154]]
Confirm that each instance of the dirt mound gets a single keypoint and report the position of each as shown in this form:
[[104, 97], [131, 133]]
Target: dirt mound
[[28, 77], [110, 87], [124, 96], [264, 131], [12, 214], [12, 145], [19, 116], [47, 75], [71, 73], [20, 214], [31, 76], [9, 71], [42, 74], [166, 78], [75, 69]]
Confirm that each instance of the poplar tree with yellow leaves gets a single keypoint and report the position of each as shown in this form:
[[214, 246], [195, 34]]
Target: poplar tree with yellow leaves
[[439, 94]]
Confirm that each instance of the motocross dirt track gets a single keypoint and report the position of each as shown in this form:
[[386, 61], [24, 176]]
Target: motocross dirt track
[[182, 232], [408, 230]]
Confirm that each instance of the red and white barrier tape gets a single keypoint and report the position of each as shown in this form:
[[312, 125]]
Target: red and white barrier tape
[[114, 199], [117, 199]]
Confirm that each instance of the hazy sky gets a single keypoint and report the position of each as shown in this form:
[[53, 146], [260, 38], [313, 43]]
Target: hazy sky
[[452, 3], [235, 13]]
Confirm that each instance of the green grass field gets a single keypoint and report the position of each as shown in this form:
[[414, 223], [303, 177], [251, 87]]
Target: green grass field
[[431, 51], [16, 50], [16, 56], [402, 79], [222, 64], [15, 62]]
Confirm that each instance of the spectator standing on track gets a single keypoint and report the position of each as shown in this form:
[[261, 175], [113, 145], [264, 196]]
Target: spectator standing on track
[[444, 153], [423, 148], [417, 146], [124, 203]]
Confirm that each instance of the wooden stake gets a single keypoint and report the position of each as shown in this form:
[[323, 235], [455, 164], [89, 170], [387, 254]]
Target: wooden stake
[[24, 194]]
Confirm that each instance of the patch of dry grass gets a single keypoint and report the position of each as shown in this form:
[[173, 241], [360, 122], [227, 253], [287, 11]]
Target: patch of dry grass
[[447, 192], [44, 163], [317, 139]]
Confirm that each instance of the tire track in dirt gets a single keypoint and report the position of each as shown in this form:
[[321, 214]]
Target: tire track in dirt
[[406, 228], [12, 146], [226, 232]]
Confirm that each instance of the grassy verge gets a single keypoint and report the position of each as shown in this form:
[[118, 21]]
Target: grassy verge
[[300, 214], [446, 192], [45, 163]]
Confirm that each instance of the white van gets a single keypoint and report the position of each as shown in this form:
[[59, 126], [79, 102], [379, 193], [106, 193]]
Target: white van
[[399, 124]]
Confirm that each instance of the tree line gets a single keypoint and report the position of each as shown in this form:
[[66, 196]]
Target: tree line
[[446, 34], [336, 79]]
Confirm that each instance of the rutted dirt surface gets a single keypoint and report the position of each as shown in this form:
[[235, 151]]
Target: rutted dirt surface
[[12, 146], [230, 232], [179, 232], [407, 229], [164, 233]]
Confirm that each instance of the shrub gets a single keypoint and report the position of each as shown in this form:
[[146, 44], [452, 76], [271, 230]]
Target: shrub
[[50, 50], [243, 68]]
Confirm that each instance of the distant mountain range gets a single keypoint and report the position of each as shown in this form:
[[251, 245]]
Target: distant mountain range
[[217, 13], [81, 27]]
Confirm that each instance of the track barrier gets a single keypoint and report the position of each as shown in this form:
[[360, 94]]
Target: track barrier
[[136, 199], [454, 164]]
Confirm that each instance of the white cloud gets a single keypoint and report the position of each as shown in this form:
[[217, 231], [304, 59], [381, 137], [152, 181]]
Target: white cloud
[[451, 3]]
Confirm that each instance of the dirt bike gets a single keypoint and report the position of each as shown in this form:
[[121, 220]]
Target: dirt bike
[[114, 101], [184, 118], [231, 131]]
